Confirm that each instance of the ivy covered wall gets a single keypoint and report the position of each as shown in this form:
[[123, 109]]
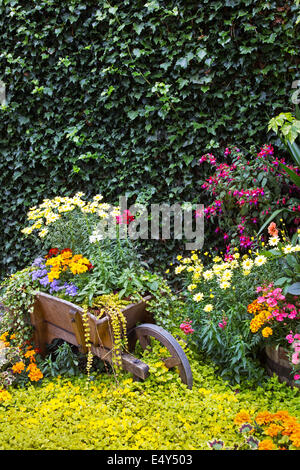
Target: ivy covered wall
[[122, 97]]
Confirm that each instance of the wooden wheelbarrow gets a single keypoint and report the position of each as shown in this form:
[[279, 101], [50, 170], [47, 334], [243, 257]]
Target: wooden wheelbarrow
[[54, 318]]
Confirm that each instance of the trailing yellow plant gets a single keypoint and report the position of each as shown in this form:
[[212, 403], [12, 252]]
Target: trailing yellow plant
[[112, 306], [109, 305], [87, 338]]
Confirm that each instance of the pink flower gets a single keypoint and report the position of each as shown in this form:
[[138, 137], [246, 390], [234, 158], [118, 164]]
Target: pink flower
[[222, 324], [297, 347], [277, 293], [290, 338], [272, 302], [295, 358], [186, 327], [297, 377]]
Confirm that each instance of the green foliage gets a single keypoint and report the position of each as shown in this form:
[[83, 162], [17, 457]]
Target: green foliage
[[242, 190], [288, 127], [167, 309], [288, 261], [159, 414], [216, 296], [64, 359], [18, 299], [124, 97], [60, 361]]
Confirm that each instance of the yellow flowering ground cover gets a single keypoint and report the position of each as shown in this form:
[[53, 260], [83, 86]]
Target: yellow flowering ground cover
[[160, 413]]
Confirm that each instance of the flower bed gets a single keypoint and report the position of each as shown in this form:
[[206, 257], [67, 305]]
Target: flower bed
[[233, 305], [158, 414], [244, 190], [237, 304]]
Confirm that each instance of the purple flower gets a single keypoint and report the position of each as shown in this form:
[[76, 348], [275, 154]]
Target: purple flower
[[71, 289], [246, 427], [253, 443], [39, 262], [55, 286], [44, 281], [38, 273]]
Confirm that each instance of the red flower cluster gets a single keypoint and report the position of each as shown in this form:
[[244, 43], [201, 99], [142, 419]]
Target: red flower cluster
[[55, 252], [125, 218], [186, 327], [52, 252]]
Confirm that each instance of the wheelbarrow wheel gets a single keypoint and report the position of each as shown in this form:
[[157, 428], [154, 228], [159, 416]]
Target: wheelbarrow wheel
[[143, 334]]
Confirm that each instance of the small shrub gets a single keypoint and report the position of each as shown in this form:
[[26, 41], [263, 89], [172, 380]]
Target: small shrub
[[244, 190]]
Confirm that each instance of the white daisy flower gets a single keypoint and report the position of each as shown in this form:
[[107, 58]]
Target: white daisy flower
[[208, 308], [273, 241], [260, 260], [198, 297], [247, 264]]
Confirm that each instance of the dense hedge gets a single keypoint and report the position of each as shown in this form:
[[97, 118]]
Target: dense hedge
[[123, 97]]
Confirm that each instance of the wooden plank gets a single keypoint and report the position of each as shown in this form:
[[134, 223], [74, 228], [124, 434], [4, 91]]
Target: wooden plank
[[135, 366], [137, 313], [56, 310], [99, 331], [171, 362], [54, 332], [38, 322], [129, 363], [78, 328]]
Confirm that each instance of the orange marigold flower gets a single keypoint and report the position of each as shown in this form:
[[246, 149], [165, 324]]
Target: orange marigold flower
[[264, 417], [258, 321], [18, 367], [273, 429], [3, 338], [267, 331], [30, 353], [35, 374], [266, 444], [290, 426], [253, 307], [76, 258], [281, 415], [242, 417], [66, 254], [295, 438]]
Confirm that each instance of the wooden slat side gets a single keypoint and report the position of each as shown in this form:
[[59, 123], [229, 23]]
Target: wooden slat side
[[56, 311], [129, 363], [78, 329]]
